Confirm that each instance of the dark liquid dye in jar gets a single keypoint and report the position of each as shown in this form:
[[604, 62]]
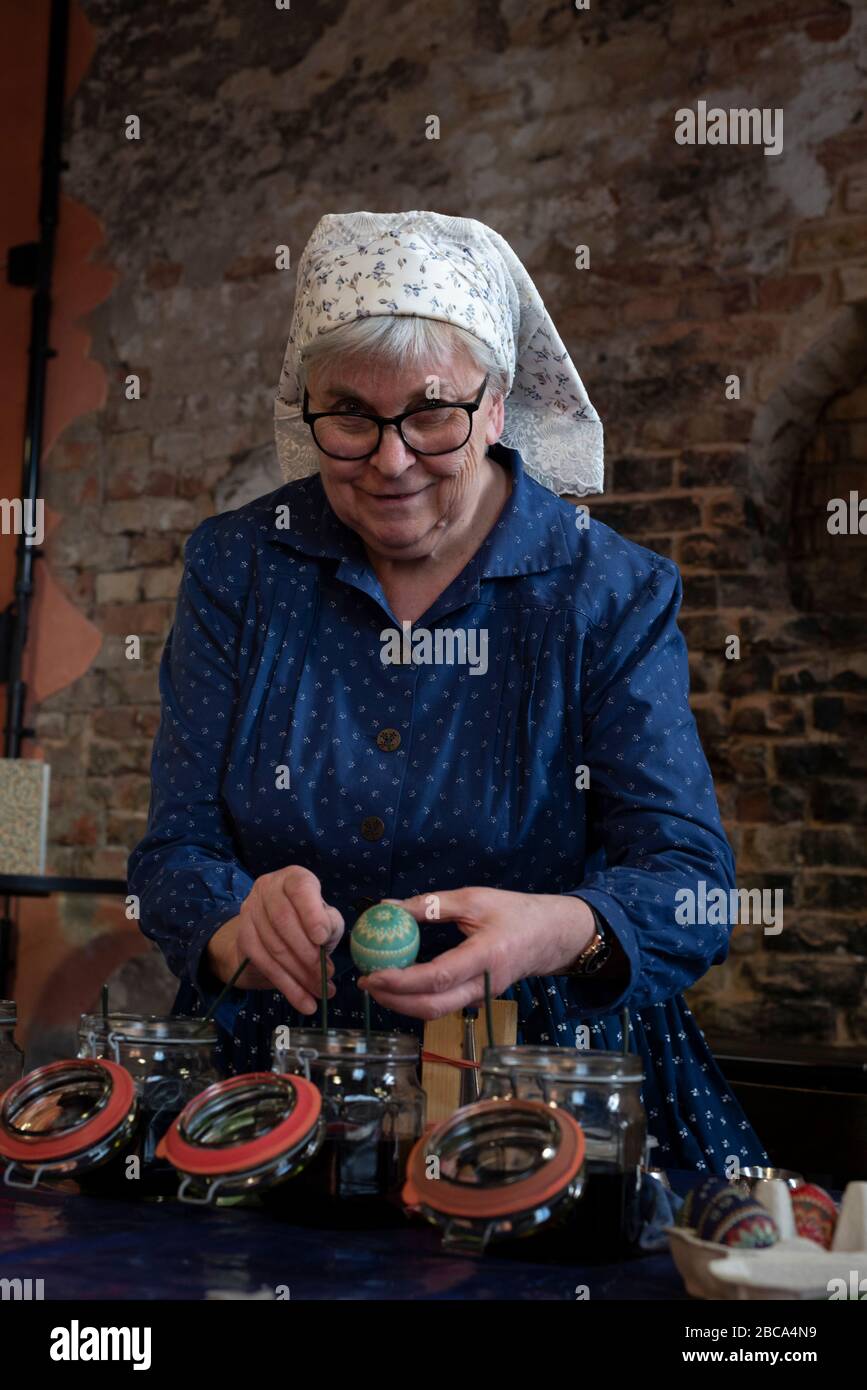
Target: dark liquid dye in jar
[[347, 1184], [604, 1224], [157, 1178]]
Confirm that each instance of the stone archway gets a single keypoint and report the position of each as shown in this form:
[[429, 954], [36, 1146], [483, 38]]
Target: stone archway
[[785, 426], [827, 573]]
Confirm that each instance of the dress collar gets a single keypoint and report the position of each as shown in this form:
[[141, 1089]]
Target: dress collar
[[529, 535]]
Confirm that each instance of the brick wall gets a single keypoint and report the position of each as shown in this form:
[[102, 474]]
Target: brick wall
[[557, 129]]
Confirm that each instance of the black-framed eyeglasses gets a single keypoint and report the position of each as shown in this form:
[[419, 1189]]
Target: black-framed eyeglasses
[[438, 428]]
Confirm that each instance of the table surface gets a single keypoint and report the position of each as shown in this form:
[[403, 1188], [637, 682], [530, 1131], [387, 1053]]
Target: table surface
[[95, 1248]]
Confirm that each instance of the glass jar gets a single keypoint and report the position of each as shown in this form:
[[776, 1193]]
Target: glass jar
[[497, 1171], [244, 1136], [602, 1091], [69, 1119], [11, 1056], [170, 1060], [374, 1112]]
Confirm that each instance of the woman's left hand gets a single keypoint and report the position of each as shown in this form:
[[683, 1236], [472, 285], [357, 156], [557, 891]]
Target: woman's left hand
[[511, 935]]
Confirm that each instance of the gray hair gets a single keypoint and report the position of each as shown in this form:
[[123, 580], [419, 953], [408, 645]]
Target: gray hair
[[393, 339]]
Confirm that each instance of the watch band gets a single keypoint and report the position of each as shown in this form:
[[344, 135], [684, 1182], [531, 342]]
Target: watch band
[[596, 952]]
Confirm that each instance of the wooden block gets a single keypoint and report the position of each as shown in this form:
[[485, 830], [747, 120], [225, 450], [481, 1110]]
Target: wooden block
[[504, 1025], [441, 1082]]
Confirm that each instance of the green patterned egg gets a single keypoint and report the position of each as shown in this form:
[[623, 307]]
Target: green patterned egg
[[385, 937]]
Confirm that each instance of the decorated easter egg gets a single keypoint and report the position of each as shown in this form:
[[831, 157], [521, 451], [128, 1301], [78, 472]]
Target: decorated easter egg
[[815, 1214], [697, 1199], [723, 1215], [385, 937]]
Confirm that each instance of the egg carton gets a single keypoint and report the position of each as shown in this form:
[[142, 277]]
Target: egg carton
[[796, 1268], [793, 1268]]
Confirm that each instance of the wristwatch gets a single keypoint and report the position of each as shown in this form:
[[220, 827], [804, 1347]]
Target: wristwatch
[[596, 952]]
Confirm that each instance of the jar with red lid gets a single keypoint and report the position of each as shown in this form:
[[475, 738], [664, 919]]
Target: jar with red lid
[[498, 1174], [602, 1091], [171, 1060], [373, 1107], [76, 1119], [245, 1137]]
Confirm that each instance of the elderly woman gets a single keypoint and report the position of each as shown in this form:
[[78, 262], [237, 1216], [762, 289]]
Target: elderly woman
[[415, 672]]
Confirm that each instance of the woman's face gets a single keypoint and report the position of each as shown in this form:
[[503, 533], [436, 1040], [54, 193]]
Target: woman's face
[[402, 504]]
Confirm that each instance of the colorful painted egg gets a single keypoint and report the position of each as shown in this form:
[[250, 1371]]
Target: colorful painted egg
[[723, 1215], [815, 1214], [698, 1197], [385, 937]]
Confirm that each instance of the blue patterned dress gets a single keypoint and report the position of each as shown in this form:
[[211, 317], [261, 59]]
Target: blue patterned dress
[[274, 660]]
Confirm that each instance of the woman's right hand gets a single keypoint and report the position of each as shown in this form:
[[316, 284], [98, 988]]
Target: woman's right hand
[[280, 928]]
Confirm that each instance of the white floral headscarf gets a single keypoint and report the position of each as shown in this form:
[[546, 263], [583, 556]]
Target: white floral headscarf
[[457, 270]]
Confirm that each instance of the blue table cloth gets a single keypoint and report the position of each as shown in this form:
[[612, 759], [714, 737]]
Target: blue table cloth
[[274, 694], [94, 1248]]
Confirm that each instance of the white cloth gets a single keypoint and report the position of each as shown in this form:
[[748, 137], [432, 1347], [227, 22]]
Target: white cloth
[[457, 270]]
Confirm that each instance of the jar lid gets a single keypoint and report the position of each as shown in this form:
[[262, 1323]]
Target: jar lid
[[563, 1063], [344, 1044], [495, 1158], [155, 1028], [242, 1123], [102, 1022], [8, 1011], [63, 1109]]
